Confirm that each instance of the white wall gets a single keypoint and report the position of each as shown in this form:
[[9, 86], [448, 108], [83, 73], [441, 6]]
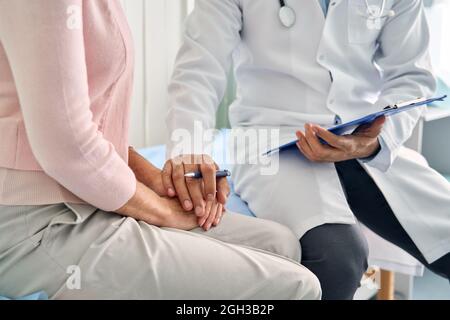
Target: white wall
[[156, 26]]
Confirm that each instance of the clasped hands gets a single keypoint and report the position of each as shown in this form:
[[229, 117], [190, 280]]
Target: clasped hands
[[206, 198]]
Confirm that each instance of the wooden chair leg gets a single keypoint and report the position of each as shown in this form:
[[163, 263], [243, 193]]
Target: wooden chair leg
[[386, 286]]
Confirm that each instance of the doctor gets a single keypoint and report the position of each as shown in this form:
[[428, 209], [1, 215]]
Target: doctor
[[306, 65]]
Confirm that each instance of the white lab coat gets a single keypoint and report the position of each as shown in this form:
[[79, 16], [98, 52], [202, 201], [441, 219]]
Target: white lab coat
[[318, 71]]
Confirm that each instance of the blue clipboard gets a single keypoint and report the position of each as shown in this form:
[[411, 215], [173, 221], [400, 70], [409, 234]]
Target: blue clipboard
[[352, 125]]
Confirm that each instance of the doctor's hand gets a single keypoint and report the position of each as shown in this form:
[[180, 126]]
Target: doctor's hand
[[363, 143], [206, 197]]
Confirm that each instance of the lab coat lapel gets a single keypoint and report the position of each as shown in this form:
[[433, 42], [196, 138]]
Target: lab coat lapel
[[318, 11], [333, 4], [306, 37]]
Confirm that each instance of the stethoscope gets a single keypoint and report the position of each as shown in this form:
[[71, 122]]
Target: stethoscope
[[288, 17]]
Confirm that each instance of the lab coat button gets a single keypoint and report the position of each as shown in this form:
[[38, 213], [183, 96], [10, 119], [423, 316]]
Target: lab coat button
[[322, 57], [331, 101]]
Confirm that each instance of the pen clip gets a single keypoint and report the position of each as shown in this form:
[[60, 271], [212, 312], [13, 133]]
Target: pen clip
[[410, 103], [227, 173], [405, 104]]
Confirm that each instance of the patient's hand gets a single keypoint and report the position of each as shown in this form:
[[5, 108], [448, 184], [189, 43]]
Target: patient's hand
[[146, 172], [207, 196], [177, 217], [149, 207]]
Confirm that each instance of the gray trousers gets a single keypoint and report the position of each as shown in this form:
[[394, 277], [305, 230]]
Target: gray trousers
[[78, 252], [337, 254]]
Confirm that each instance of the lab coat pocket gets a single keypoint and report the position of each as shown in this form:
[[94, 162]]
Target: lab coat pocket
[[362, 27]]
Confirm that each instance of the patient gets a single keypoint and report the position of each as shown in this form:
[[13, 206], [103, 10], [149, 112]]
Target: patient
[[79, 207]]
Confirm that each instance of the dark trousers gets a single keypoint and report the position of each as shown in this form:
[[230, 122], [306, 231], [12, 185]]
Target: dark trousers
[[337, 254]]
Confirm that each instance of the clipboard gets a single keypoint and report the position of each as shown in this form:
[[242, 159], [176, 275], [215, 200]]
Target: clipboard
[[389, 111]]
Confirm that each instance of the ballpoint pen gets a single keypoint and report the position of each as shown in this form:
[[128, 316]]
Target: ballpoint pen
[[198, 175]]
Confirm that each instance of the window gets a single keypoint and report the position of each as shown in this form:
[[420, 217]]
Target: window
[[439, 20]]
